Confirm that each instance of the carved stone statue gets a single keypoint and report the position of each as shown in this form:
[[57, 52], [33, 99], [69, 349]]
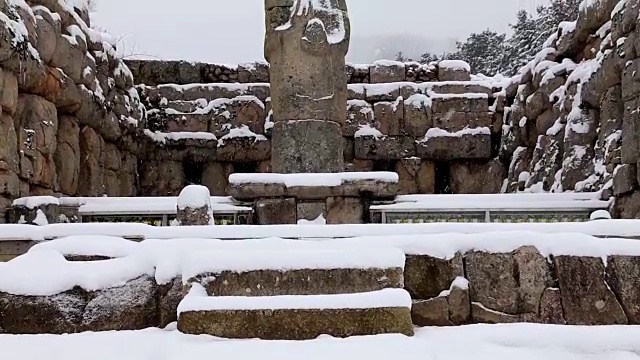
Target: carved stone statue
[[306, 43]]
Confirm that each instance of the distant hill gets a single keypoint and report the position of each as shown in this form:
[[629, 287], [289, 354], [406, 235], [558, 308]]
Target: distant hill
[[365, 49]]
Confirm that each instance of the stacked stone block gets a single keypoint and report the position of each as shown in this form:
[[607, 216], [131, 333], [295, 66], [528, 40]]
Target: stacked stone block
[[68, 108]]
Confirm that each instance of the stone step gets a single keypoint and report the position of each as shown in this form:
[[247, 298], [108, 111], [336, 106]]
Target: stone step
[[295, 317], [311, 271]]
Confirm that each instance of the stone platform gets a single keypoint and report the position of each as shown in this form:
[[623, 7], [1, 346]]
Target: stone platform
[[340, 198], [296, 317]]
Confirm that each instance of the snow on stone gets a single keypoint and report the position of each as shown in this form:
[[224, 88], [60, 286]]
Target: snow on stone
[[459, 96], [388, 63], [301, 8], [318, 179], [162, 138], [320, 220], [316, 257], [458, 283], [40, 219], [437, 132], [241, 132], [600, 215], [194, 197], [418, 101], [457, 65], [47, 272], [368, 130], [33, 202], [567, 27], [196, 300], [98, 245]]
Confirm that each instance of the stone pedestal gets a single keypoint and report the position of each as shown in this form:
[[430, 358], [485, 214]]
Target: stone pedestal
[[287, 198], [35, 210], [307, 146], [194, 206]]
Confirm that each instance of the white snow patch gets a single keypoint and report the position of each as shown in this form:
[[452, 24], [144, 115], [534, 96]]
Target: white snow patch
[[437, 132], [456, 65], [194, 197], [33, 202], [98, 245], [368, 130], [315, 256], [318, 179], [162, 138], [196, 300]]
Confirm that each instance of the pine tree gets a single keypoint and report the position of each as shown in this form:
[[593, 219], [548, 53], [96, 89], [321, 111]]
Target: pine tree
[[524, 43], [556, 12], [485, 52], [428, 57]]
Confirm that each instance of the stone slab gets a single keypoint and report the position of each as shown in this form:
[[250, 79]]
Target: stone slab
[[296, 324]]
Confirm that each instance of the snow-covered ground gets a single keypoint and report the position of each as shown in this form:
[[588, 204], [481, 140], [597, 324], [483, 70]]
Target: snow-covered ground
[[478, 342]]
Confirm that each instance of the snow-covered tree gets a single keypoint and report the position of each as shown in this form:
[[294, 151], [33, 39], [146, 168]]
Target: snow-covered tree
[[486, 52], [553, 14], [524, 43]]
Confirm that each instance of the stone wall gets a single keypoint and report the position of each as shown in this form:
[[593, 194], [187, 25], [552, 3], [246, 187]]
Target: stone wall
[[440, 136], [68, 110], [571, 111], [156, 72], [509, 280]]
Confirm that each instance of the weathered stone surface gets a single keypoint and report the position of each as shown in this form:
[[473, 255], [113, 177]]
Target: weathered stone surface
[[91, 174], [56, 314], [389, 116], [416, 176], [476, 177], [9, 159], [386, 72], [627, 206], [432, 312], [384, 148], [417, 115], [8, 92], [459, 301], [482, 315], [533, 275], [215, 177], [586, 297], [426, 277], [359, 113], [311, 210], [493, 281], [453, 71], [625, 179], [299, 282], [47, 212], [345, 210], [194, 206], [307, 147], [169, 296], [128, 307], [454, 121], [67, 156], [551, 307], [161, 178], [276, 211], [296, 324], [447, 148], [308, 78], [622, 272], [244, 149]]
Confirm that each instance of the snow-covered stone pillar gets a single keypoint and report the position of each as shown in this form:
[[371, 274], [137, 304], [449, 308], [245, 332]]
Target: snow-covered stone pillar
[[306, 43], [194, 206], [35, 210]]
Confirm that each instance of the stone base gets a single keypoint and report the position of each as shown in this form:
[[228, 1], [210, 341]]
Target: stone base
[[14, 248], [307, 146], [296, 324], [299, 282]]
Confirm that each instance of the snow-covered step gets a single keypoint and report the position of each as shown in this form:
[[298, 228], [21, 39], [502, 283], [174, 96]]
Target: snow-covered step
[[297, 317], [302, 270]]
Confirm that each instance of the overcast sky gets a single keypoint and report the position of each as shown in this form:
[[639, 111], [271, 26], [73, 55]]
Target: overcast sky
[[231, 31]]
